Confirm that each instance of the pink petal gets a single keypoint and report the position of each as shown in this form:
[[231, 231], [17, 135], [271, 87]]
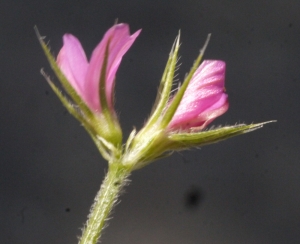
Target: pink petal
[[207, 116], [204, 98], [73, 63], [119, 42]]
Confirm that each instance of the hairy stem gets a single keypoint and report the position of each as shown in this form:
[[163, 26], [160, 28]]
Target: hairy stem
[[104, 202]]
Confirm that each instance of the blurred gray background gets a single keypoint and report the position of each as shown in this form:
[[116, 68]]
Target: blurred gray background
[[244, 190]]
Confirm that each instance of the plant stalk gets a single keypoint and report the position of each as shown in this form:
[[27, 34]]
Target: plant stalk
[[105, 200]]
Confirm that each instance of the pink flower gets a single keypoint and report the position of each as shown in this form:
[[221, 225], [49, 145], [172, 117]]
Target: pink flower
[[84, 76], [204, 99]]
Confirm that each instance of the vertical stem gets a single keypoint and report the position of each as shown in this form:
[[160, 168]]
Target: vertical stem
[[104, 202]]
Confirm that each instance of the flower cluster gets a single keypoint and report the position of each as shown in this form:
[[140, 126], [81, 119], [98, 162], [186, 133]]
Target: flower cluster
[[177, 121]]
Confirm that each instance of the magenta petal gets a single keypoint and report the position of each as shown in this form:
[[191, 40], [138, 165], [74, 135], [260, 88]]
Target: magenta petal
[[210, 72], [73, 63], [120, 42], [207, 116], [204, 98]]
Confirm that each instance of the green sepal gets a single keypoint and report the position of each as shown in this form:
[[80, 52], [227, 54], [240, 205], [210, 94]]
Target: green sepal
[[177, 98], [102, 85], [63, 80], [164, 90], [101, 144], [182, 141], [146, 134], [110, 128], [65, 101]]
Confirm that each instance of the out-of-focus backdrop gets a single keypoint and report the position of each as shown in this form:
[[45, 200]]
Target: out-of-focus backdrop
[[244, 190]]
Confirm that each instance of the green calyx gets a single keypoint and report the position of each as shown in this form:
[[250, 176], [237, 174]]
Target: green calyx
[[152, 141]]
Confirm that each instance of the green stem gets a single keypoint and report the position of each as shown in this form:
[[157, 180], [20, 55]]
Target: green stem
[[104, 202]]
